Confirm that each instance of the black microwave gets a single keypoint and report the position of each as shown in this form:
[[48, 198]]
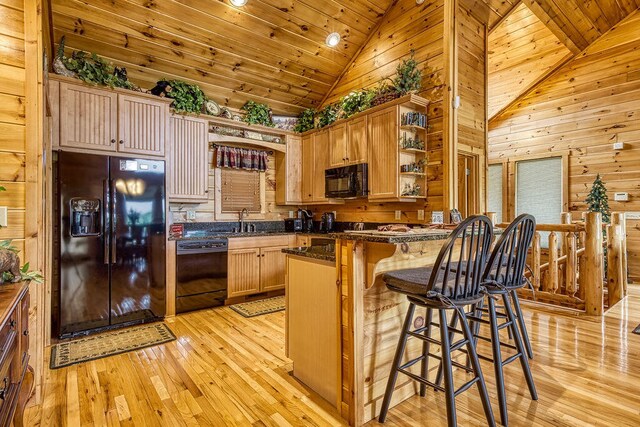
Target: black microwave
[[347, 182]]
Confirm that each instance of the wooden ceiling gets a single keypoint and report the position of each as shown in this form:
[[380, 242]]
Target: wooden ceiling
[[537, 36], [270, 51]]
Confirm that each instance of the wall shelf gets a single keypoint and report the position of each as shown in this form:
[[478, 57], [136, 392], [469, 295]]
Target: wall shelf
[[248, 142]]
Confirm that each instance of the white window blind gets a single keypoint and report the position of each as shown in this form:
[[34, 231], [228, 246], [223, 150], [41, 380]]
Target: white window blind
[[539, 191], [240, 189], [494, 190]]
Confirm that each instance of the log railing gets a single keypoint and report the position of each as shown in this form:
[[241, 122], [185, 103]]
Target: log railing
[[570, 271]]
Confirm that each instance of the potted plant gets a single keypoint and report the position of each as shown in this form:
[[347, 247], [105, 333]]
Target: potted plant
[[408, 76], [257, 114], [356, 102], [305, 121], [187, 98], [328, 115]]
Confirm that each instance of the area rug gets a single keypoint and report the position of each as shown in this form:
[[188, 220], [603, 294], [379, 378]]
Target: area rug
[[109, 344], [637, 330], [257, 308]]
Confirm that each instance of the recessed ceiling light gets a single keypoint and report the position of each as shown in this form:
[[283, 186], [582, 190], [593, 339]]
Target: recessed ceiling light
[[333, 39], [419, 1], [238, 3]]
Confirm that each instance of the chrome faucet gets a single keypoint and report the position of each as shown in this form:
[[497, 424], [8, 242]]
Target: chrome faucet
[[243, 213]]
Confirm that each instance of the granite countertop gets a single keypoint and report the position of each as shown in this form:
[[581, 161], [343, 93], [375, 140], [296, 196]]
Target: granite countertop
[[392, 237], [230, 235], [324, 253]]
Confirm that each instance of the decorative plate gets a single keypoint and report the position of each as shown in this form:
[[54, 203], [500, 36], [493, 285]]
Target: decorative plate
[[237, 117], [212, 107], [226, 113]]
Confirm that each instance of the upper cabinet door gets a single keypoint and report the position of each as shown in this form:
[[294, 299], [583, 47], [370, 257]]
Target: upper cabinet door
[[321, 162], [88, 117], [308, 168], [143, 125], [383, 153], [338, 145], [188, 160], [357, 140]]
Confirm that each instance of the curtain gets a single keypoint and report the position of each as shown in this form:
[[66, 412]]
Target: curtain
[[241, 158]]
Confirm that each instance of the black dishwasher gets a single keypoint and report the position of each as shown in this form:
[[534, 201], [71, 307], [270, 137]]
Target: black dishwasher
[[201, 274]]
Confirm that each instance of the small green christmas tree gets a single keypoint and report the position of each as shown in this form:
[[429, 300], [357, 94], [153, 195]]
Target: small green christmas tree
[[409, 76], [597, 200]]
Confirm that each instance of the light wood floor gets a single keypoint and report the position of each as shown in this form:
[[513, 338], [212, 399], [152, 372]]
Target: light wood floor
[[228, 370]]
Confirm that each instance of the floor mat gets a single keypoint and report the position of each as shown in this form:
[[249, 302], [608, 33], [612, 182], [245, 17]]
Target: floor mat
[[109, 344], [257, 308]]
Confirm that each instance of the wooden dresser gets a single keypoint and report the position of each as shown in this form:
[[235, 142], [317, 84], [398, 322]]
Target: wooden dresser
[[14, 352]]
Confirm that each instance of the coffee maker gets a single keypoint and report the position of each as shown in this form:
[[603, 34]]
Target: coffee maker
[[327, 221], [307, 220]]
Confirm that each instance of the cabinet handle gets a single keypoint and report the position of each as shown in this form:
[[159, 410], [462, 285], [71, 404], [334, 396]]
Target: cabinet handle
[[12, 323], [113, 141], [26, 333], [121, 142]]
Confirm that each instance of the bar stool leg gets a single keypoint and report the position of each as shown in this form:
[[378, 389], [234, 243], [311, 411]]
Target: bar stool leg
[[521, 323], [453, 324], [448, 369], [425, 351], [524, 360], [475, 363], [497, 361], [397, 361]]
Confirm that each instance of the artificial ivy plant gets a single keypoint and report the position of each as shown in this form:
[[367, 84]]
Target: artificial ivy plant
[[305, 121], [257, 114], [356, 102], [409, 77], [91, 68], [187, 98], [328, 115]]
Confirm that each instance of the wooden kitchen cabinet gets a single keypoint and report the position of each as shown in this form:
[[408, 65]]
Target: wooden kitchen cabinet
[[272, 268], [321, 148], [88, 117], [188, 160], [243, 272], [382, 136], [308, 168], [289, 173], [357, 141], [338, 145], [142, 125]]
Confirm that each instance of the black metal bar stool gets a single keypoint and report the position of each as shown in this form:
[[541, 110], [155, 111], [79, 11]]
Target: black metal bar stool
[[503, 275], [453, 282]]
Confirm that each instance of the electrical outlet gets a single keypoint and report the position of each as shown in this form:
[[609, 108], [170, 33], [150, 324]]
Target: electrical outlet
[[420, 214], [618, 145], [290, 214], [191, 215], [398, 215], [4, 222]]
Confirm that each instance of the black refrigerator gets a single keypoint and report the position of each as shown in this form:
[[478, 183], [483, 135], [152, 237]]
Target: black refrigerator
[[110, 242]]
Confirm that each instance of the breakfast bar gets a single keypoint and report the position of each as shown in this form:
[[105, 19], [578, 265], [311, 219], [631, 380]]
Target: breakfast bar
[[368, 315]]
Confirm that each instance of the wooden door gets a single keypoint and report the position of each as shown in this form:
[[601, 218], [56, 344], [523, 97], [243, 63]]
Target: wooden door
[[321, 162], [244, 272], [308, 168], [188, 160], [338, 145], [142, 125], [468, 187], [88, 117], [272, 268], [382, 137], [357, 140]]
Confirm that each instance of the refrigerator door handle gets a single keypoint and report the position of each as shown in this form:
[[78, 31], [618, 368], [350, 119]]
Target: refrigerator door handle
[[114, 219], [107, 219]]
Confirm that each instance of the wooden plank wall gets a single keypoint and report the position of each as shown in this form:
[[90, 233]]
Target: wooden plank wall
[[406, 26], [590, 103]]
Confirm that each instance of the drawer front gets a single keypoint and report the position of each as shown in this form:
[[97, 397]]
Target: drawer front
[[261, 242], [24, 329], [8, 383], [7, 334]]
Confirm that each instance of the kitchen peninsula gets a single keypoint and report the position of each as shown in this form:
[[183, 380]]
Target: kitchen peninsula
[[366, 316]]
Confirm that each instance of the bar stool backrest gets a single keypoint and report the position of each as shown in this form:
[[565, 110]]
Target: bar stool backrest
[[509, 256], [458, 269]]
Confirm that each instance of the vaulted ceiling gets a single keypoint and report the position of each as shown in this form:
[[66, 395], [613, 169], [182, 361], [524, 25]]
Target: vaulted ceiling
[[269, 50], [538, 36]]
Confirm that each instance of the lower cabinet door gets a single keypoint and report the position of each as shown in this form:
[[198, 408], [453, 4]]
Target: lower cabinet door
[[272, 268], [244, 272]]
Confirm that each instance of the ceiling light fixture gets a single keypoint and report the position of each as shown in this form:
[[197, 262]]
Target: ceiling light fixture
[[238, 3], [333, 39], [419, 2]]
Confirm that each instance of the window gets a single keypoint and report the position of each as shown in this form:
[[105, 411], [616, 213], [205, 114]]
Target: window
[[495, 191], [240, 189], [539, 189]]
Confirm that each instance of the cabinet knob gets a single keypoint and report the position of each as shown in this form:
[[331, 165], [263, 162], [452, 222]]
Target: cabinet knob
[[12, 323], [113, 141], [26, 333], [121, 142]]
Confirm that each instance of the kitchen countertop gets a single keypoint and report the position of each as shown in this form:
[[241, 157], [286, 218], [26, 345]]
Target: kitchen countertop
[[393, 237], [230, 235], [324, 253]]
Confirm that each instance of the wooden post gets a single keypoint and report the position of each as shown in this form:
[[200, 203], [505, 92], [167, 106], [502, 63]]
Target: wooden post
[[615, 273], [571, 267], [565, 218], [593, 265], [620, 219], [493, 217], [535, 260], [552, 275]]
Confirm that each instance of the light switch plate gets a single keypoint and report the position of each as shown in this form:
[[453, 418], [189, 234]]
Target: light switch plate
[[618, 145], [633, 215], [420, 214], [4, 222], [191, 215], [398, 215]]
